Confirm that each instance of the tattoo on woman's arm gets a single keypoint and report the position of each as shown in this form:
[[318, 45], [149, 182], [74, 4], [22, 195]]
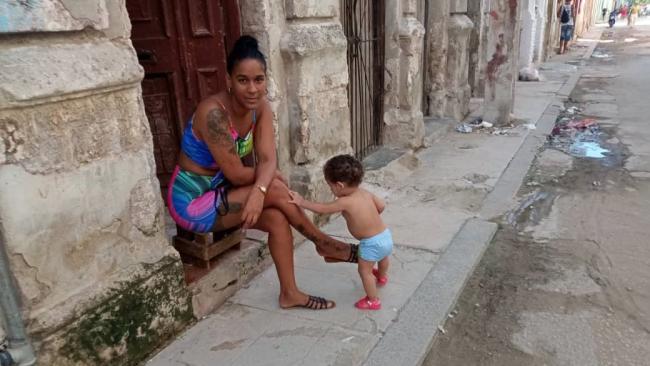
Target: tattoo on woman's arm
[[218, 130]]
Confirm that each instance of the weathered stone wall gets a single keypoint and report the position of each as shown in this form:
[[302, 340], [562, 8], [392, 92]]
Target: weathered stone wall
[[436, 58], [459, 28], [308, 77], [539, 54], [552, 37], [477, 39], [528, 23], [403, 118], [80, 206], [501, 69]]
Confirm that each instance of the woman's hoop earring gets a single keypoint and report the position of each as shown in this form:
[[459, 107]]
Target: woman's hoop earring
[[229, 90]]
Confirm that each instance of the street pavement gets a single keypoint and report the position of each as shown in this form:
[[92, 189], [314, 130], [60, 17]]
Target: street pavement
[[565, 280], [436, 208]]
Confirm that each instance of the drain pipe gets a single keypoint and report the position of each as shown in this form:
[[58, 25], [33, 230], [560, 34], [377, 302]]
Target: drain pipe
[[19, 351]]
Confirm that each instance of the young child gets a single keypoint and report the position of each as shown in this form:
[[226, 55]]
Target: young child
[[361, 210]]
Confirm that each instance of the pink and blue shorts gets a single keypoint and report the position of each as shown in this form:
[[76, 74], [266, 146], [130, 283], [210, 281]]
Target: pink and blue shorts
[[196, 201]]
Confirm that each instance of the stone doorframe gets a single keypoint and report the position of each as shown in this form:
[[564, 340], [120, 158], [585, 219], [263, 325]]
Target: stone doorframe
[[308, 79]]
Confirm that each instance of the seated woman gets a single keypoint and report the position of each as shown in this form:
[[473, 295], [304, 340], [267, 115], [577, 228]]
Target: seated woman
[[227, 174]]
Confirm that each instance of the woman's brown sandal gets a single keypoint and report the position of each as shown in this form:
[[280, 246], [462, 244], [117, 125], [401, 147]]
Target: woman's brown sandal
[[316, 303], [353, 258], [354, 253]]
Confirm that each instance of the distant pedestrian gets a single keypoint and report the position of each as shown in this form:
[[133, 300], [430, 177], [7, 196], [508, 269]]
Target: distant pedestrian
[[361, 210], [566, 13], [634, 14], [604, 13]]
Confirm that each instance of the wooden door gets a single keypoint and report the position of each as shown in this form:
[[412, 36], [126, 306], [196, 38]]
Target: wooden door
[[182, 45]]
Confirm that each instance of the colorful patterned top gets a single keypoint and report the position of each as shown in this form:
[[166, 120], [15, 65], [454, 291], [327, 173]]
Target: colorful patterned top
[[195, 201]]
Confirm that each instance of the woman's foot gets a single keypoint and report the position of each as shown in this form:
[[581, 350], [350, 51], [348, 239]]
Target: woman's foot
[[381, 280], [301, 300], [368, 304], [353, 256]]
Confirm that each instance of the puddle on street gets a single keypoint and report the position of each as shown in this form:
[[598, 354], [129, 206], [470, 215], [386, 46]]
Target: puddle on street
[[585, 138]]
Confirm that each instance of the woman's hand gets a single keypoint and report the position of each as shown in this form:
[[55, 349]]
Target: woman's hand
[[253, 208], [296, 199]]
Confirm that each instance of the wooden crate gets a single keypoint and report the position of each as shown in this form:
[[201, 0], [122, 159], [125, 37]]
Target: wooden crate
[[205, 247]]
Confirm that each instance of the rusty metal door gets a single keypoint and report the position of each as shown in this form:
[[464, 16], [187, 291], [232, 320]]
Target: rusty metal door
[[182, 45], [363, 24]]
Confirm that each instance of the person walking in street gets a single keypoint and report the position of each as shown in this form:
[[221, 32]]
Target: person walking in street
[[566, 13], [361, 210], [604, 13], [634, 14]]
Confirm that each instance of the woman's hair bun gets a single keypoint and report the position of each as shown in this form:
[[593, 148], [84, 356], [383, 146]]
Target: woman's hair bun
[[246, 42], [244, 48]]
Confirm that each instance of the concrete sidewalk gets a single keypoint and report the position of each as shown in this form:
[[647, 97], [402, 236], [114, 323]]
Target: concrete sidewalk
[[439, 201]]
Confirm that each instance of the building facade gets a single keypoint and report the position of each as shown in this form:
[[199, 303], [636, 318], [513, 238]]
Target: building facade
[[94, 96]]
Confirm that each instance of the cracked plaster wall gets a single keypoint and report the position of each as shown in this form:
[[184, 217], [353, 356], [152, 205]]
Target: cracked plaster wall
[[436, 65], [476, 10], [459, 28], [501, 69], [403, 80], [80, 206], [308, 76]]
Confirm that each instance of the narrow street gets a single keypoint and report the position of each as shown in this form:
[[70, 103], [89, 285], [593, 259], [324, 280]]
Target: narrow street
[[565, 280]]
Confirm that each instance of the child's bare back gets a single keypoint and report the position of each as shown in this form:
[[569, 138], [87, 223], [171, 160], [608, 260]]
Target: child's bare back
[[361, 213]]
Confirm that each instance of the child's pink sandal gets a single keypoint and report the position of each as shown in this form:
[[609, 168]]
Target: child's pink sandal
[[367, 304], [381, 281]]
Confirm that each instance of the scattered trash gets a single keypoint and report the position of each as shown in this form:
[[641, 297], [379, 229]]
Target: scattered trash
[[348, 339], [464, 128], [476, 122], [581, 124], [501, 131], [528, 74], [629, 288], [442, 330], [573, 110], [486, 124], [596, 183], [450, 316], [600, 55], [590, 149], [579, 137], [530, 126]]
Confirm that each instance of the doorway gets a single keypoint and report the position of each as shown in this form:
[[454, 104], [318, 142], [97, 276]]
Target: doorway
[[182, 46]]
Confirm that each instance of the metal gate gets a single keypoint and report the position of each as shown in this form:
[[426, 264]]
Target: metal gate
[[363, 24]]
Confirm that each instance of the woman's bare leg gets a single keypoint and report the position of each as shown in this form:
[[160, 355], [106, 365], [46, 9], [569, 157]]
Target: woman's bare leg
[[280, 241], [280, 244]]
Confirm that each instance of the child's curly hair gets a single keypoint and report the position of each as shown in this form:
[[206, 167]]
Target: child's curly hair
[[344, 168]]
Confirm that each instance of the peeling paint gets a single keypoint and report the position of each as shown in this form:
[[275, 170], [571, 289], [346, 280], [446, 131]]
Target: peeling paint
[[498, 59]]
